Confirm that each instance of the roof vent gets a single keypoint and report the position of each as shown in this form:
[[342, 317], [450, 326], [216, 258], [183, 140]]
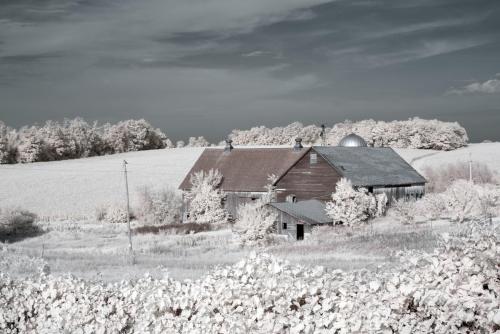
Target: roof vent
[[298, 144], [229, 145]]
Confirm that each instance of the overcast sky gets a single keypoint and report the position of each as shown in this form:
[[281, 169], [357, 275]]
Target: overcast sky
[[204, 67]]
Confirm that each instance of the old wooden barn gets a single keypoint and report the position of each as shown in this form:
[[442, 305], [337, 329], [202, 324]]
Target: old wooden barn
[[308, 173]]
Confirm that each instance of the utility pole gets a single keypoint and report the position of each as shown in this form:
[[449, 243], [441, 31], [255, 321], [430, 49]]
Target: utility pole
[[131, 252], [323, 135]]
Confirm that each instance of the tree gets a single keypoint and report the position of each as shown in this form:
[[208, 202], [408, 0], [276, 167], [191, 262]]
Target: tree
[[205, 198], [31, 147], [255, 223], [133, 135], [197, 142], [405, 211], [350, 206], [159, 206], [462, 200], [8, 146]]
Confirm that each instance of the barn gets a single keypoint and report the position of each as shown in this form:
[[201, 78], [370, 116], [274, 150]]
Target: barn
[[308, 173]]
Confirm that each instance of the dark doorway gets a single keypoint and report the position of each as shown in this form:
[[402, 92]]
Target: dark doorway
[[300, 232]]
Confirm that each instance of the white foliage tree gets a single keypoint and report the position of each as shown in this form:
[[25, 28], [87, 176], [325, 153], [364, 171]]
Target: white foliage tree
[[205, 198], [197, 142], [412, 133], [351, 206], [8, 138], [462, 200], [159, 206], [134, 135], [405, 211], [432, 206], [255, 223]]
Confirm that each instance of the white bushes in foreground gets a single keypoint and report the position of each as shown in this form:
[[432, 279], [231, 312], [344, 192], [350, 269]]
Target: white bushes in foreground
[[352, 207], [453, 290]]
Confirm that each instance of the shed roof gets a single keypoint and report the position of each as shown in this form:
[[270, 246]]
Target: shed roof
[[245, 169], [370, 166], [311, 212]]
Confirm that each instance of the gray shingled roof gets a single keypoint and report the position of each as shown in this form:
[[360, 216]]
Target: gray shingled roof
[[310, 212], [370, 166]]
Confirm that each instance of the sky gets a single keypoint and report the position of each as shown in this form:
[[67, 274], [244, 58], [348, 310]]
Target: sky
[[205, 67]]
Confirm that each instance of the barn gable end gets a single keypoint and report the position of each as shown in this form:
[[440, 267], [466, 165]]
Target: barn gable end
[[312, 177]]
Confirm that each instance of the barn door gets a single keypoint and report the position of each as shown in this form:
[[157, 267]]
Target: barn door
[[300, 231]]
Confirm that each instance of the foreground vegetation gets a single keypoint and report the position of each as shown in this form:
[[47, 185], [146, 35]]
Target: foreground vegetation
[[453, 289]]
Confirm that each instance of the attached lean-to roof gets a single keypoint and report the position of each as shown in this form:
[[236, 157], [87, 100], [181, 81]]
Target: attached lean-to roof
[[310, 212], [371, 166], [245, 169]]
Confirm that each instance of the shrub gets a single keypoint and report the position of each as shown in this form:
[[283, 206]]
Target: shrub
[[115, 215], [255, 223], [351, 206], [405, 211], [185, 228], [159, 207], [441, 177], [16, 222]]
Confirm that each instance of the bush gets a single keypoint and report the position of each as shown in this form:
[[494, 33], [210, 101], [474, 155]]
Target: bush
[[451, 290], [351, 207], [114, 215], [16, 222], [255, 223], [440, 178], [405, 211], [159, 207], [185, 228]]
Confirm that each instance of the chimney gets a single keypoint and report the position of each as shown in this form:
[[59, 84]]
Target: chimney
[[229, 145], [298, 144]]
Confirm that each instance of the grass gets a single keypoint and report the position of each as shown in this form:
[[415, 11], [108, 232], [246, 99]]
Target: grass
[[99, 251]]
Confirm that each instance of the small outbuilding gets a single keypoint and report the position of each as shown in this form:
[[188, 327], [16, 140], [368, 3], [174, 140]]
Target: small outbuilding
[[296, 219]]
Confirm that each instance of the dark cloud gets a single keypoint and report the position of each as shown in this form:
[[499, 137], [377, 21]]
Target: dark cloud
[[235, 63]]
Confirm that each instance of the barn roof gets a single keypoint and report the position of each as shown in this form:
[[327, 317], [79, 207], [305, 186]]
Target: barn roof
[[370, 166], [245, 169], [310, 212]]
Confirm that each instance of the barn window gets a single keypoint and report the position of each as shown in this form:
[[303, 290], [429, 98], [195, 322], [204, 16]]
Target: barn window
[[313, 158], [291, 199], [285, 226]]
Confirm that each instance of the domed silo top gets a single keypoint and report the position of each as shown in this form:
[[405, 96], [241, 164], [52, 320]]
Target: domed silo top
[[353, 140]]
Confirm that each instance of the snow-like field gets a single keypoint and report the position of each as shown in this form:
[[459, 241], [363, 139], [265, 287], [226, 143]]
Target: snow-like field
[[75, 188]]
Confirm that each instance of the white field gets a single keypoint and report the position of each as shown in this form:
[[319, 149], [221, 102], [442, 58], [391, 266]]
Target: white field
[[75, 188], [71, 190]]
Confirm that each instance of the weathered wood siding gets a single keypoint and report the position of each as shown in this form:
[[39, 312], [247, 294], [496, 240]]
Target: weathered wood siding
[[308, 181], [291, 222]]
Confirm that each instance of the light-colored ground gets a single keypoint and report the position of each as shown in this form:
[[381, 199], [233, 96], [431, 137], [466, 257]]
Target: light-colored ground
[[75, 188]]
